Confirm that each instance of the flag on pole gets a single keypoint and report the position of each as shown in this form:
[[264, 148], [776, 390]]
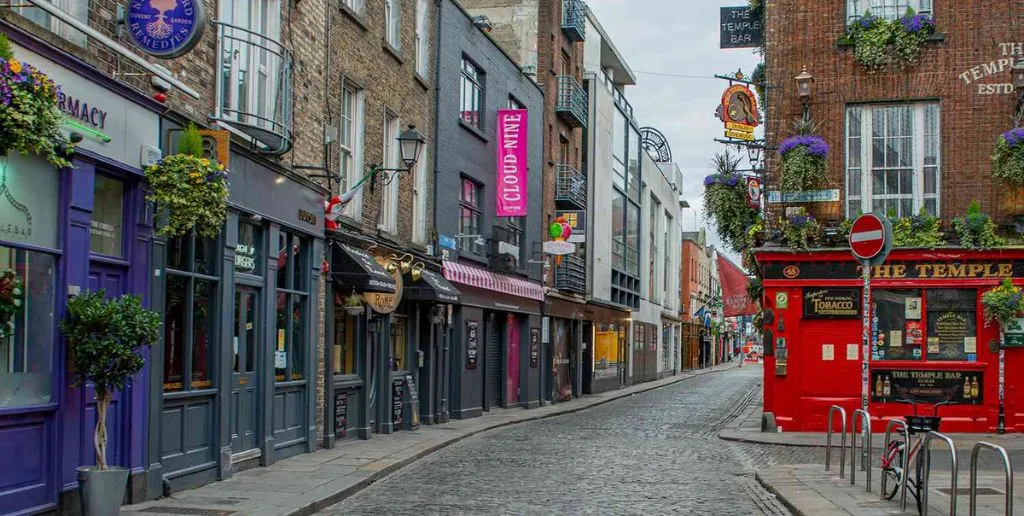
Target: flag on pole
[[334, 206], [735, 301]]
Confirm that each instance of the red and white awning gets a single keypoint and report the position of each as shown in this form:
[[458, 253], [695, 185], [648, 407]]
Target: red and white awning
[[488, 280]]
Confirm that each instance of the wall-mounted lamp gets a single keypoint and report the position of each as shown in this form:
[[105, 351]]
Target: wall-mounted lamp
[[410, 145], [803, 89]]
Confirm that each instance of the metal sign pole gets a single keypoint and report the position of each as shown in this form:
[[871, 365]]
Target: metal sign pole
[[865, 338], [1001, 425]]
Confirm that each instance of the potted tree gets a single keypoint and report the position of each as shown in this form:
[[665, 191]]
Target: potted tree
[[105, 339]]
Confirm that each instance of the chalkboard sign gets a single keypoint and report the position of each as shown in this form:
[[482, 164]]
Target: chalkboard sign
[[411, 400], [472, 343], [340, 414], [534, 346], [741, 28], [397, 393]]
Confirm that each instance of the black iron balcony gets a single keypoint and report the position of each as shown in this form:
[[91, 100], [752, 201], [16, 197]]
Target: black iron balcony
[[570, 186], [571, 275], [254, 87], [574, 19], [572, 101]]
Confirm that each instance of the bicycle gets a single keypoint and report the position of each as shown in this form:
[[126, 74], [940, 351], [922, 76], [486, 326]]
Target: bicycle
[[892, 458]]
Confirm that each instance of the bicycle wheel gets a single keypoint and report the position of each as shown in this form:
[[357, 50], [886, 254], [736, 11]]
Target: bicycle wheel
[[891, 474], [919, 478]]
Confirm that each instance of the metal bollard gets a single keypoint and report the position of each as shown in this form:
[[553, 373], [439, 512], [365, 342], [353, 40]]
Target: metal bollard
[[1007, 468], [903, 465], [926, 449], [865, 419], [828, 439]]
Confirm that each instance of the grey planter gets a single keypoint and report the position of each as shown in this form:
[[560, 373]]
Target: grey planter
[[102, 491]]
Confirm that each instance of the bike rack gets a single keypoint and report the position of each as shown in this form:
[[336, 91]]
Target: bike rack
[[926, 449], [865, 418], [906, 460], [1007, 467], [828, 439]]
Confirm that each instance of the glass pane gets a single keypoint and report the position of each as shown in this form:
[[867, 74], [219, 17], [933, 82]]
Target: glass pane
[[952, 320], [878, 182], [344, 343], [249, 250], [877, 152], [26, 348], [892, 182], [300, 268], [177, 253], [931, 206], [251, 331], [905, 152], [853, 177], [206, 256], [906, 182], [283, 260], [853, 156], [203, 317], [174, 333], [296, 346], [107, 226], [853, 122], [899, 338], [238, 334], [852, 208], [281, 340], [907, 207], [399, 336], [619, 136]]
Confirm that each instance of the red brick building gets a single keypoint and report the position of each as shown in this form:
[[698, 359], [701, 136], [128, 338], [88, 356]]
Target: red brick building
[[903, 138]]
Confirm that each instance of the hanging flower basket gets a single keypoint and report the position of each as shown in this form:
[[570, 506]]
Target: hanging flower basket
[[30, 120], [192, 190], [921, 231], [725, 200], [976, 229], [803, 163], [878, 42], [1008, 157], [12, 299], [1002, 304], [800, 232]]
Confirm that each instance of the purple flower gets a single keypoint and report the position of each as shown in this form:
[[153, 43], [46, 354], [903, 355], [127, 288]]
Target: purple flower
[[815, 145], [917, 23], [867, 21], [799, 221], [722, 179], [1014, 136]]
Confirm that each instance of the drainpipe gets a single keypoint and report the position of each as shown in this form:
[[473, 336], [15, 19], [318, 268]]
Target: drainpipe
[[437, 115], [441, 381]]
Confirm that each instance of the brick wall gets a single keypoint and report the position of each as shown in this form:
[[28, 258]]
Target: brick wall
[[952, 71]]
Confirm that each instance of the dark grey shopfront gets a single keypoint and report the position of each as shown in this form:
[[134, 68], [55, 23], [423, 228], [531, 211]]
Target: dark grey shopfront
[[234, 374]]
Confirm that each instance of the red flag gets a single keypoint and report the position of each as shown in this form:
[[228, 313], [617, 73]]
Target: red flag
[[735, 301]]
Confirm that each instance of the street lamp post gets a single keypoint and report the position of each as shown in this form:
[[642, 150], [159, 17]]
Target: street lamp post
[[803, 89], [410, 145]]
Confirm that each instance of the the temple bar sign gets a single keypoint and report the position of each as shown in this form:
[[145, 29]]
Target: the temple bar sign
[[896, 270], [740, 28]]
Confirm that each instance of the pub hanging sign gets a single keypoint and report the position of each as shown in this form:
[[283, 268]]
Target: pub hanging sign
[[831, 303]]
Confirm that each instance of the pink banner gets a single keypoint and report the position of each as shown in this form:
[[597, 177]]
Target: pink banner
[[513, 137]]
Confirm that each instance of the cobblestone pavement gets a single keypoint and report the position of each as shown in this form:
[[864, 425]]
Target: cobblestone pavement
[[652, 453]]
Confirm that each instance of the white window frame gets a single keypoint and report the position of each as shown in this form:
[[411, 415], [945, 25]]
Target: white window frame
[[393, 23], [351, 149], [356, 6], [78, 9], [389, 194], [919, 127], [263, 14], [887, 9], [422, 36], [419, 198]]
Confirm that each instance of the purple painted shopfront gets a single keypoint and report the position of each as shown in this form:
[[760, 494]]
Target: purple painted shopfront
[[64, 232]]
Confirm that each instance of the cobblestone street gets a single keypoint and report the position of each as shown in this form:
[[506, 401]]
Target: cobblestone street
[[652, 453]]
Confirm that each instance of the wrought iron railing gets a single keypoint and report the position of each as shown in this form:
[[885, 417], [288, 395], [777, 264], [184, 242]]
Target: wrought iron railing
[[572, 101], [571, 274], [570, 186], [574, 19], [254, 87]]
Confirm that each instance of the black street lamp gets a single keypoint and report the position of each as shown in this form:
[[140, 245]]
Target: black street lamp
[[410, 145]]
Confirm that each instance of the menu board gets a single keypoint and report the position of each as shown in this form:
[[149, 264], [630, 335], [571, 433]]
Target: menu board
[[534, 346], [411, 399], [472, 343], [397, 392], [947, 334], [340, 414], [929, 386]]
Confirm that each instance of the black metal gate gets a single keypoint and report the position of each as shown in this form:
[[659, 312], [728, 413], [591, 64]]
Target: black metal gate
[[494, 379]]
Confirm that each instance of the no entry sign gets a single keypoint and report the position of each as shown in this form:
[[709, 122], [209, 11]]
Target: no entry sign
[[868, 237]]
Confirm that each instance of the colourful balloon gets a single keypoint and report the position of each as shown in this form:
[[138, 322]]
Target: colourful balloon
[[566, 231], [555, 230]]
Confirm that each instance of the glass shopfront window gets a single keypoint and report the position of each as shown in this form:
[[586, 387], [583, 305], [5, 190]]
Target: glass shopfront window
[[249, 250], [292, 308], [934, 324], [344, 343], [952, 324], [399, 342], [191, 311], [27, 336], [106, 231], [900, 330], [609, 343]]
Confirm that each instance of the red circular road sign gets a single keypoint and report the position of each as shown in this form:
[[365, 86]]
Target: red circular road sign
[[867, 237]]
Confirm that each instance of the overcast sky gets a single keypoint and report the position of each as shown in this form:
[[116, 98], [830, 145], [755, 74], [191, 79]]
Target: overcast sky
[[677, 38]]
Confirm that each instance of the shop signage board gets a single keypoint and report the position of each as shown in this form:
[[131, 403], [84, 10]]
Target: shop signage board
[[738, 112], [534, 347], [165, 28], [386, 303], [740, 27], [897, 270], [577, 220], [930, 386], [777, 197], [753, 193], [341, 414], [831, 303], [472, 344], [512, 160], [870, 242], [1014, 334]]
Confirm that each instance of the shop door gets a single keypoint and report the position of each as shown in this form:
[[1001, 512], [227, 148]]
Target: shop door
[[494, 378], [245, 345], [113, 280], [587, 364], [512, 382]]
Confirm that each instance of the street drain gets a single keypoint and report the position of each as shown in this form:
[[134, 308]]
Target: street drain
[[966, 491], [188, 510]]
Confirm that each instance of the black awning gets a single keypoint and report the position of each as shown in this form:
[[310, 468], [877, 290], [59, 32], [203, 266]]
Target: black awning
[[355, 268], [432, 287]]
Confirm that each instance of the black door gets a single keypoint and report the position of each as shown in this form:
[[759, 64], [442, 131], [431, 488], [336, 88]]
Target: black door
[[243, 374], [587, 363], [493, 361]]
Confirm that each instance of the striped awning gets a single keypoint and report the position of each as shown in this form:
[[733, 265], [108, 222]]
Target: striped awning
[[488, 280]]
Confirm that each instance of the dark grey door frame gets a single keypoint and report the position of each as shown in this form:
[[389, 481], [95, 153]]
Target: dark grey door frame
[[242, 378]]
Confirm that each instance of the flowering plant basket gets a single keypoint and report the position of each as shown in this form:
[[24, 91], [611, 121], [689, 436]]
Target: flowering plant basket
[[12, 299], [878, 42], [192, 189], [1003, 303], [919, 231], [976, 229], [800, 232], [803, 162], [1008, 157], [30, 120], [725, 200]]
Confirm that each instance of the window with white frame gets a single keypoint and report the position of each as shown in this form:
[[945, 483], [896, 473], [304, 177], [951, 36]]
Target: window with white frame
[[892, 159], [471, 94], [350, 143], [356, 6], [422, 55], [669, 250], [419, 199], [389, 194], [250, 78], [78, 9], [393, 23], [887, 9]]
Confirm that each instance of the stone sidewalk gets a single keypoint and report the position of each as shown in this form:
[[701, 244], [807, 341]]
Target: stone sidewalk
[[310, 482]]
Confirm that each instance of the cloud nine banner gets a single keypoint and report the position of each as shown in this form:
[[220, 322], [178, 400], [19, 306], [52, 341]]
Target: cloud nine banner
[[513, 137]]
